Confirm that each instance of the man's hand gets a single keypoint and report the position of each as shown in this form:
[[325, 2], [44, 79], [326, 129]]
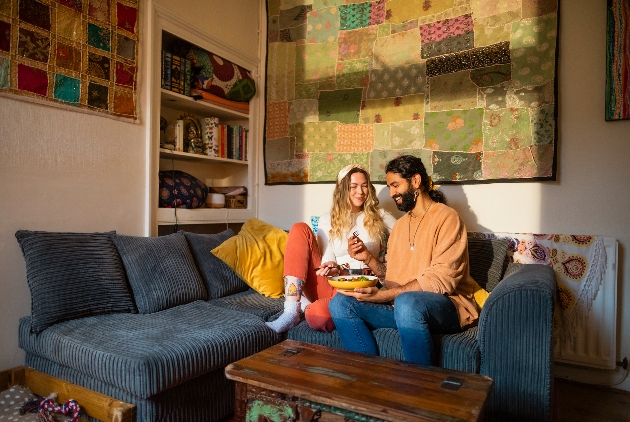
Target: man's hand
[[388, 294], [366, 294]]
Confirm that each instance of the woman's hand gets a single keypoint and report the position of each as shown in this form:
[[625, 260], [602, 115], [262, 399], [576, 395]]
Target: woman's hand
[[357, 249], [328, 269]]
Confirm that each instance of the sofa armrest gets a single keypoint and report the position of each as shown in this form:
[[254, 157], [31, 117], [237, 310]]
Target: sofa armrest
[[515, 341]]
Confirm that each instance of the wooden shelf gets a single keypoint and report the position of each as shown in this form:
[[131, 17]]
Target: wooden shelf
[[203, 215], [214, 171], [181, 102], [185, 156]]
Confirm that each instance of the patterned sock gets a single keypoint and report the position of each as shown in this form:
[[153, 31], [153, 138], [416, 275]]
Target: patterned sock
[[289, 318]]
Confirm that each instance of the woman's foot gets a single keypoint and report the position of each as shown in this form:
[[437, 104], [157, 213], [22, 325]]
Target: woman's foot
[[289, 318]]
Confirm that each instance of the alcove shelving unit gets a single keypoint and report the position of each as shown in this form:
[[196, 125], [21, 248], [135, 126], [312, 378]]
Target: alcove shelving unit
[[213, 171]]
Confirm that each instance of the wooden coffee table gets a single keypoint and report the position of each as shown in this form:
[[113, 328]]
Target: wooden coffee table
[[304, 382]]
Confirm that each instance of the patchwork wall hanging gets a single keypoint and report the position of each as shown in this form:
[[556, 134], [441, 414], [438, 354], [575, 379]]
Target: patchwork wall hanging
[[79, 53], [618, 60], [467, 85]]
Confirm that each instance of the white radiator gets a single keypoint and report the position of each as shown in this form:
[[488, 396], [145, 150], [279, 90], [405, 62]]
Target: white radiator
[[595, 342]]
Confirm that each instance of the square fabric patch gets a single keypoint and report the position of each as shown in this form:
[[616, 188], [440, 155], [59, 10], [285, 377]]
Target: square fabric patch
[[72, 53], [467, 85]]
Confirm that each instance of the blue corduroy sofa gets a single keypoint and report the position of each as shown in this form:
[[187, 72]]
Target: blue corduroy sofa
[[165, 346]]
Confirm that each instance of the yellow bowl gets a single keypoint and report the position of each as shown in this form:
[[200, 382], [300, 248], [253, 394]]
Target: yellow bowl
[[350, 285]]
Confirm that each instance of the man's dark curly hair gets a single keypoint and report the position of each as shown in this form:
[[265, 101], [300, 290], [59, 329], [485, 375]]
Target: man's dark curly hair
[[406, 166]]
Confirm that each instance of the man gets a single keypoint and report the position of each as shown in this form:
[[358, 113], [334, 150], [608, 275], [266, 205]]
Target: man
[[428, 288]]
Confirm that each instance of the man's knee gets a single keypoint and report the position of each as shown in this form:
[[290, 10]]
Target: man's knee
[[409, 306], [338, 305]]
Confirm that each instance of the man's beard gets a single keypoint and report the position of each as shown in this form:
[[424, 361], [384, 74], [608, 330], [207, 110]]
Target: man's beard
[[408, 201]]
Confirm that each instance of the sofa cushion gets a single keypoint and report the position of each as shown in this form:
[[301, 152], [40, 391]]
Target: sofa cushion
[[487, 259], [256, 254], [453, 351], [144, 354], [220, 280], [161, 271], [72, 275], [302, 332], [251, 302]]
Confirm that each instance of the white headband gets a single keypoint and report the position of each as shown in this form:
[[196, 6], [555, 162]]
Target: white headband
[[344, 171]]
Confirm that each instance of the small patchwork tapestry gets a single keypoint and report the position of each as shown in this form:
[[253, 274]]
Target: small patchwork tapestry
[[469, 86], [78, 53], [618, 60]]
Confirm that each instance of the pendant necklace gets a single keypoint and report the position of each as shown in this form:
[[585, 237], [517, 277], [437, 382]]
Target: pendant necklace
[[413, 243]]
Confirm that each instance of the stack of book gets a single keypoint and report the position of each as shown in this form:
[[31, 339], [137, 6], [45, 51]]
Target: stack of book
[[176, 73], [225, 141]]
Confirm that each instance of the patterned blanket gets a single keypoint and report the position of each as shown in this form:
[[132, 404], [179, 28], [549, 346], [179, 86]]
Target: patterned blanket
[[579, 262]]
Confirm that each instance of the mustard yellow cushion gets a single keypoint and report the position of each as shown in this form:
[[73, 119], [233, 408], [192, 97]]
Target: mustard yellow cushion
[[256, 254], [481, 294]]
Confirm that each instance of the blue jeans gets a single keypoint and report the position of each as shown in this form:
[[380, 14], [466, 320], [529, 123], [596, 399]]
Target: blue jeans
[[416, 315]]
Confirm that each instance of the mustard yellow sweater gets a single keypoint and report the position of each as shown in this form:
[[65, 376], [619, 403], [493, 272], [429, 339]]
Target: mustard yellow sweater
[[439, 260]]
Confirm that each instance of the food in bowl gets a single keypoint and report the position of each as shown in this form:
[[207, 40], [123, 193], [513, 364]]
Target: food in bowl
[[350, 282]]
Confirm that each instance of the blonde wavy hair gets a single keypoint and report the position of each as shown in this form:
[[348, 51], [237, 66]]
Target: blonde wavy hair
[[340, 220]]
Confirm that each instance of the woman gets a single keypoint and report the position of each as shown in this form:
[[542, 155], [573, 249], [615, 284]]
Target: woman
[[309, 261], [428, 288]]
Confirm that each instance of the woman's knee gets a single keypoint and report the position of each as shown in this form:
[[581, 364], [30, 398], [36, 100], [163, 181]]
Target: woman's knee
[[318, 316], [300, 227]]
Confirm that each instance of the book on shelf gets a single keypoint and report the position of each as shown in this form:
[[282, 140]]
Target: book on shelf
[[187, 76], [230, 142], [210, 135], [221, 140], [243, 156], [167, 60], [176, 73], [182, 75]]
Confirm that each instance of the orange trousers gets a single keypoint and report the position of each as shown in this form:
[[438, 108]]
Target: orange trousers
[[301, 257]]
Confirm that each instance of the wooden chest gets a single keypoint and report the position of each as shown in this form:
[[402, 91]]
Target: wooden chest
[[304, 382], [96, 405]]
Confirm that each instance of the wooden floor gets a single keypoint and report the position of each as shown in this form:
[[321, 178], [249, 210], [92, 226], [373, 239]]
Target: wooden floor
[[576, 402]]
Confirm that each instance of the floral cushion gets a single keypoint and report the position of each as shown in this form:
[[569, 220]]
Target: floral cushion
[[181, 190]]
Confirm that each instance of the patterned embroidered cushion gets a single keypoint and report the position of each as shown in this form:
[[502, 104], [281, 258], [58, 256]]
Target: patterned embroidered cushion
[[72, 275], [181, 190], [221, 77]]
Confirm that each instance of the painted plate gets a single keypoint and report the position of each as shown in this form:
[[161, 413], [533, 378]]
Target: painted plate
[[350, 282]]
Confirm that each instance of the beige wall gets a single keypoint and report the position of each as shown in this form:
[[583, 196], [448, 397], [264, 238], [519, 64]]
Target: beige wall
[[67, 171], [590, 195]]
